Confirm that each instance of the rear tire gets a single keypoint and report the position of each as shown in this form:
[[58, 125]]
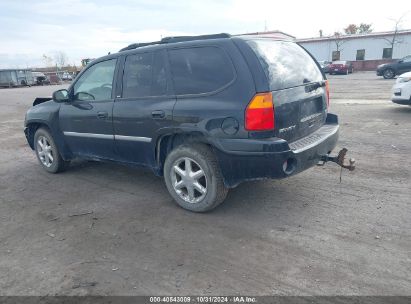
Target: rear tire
[[193, 178], [388, 74], [47, 152]]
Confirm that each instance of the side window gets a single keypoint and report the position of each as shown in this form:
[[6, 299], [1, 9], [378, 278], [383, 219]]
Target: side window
[[360, 55], [335, 55], [200, 69], [387, 53], [144, 75], [97, 82], [407, 59]]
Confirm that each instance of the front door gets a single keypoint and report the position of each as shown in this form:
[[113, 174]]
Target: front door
[[87, 120], [144, 107]]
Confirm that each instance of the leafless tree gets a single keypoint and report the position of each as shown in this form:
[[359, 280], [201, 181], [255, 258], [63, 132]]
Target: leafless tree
[[395, 39], [48, 61], [338, 41], [60, 58]]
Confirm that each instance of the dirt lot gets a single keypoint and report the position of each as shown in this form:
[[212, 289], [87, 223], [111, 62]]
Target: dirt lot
[[306, 235]]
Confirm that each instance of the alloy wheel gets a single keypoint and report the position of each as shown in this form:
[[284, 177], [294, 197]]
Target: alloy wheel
[[45, 151], [189, 180], [389, 73]]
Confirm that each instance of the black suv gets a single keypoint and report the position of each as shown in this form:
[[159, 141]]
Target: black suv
[[390, 70], [205, 112]]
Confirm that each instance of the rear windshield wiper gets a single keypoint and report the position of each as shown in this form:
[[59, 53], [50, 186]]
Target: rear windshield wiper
[[314, 86]]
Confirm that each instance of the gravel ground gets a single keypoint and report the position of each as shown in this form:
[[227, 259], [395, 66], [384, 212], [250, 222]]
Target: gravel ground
[[306, 235]]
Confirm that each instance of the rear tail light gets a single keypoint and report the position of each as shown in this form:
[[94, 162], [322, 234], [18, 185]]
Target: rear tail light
[[259, 115], [327, 89]]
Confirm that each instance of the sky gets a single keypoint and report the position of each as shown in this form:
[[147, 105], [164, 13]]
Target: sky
[[92, 28]]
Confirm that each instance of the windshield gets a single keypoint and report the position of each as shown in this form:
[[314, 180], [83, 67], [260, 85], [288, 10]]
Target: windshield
[[285, 63]]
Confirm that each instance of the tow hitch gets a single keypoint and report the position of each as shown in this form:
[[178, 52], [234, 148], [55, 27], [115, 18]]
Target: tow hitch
[[339, 160]]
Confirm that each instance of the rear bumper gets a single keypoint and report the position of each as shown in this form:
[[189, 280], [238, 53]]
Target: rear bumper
[[246, 159]]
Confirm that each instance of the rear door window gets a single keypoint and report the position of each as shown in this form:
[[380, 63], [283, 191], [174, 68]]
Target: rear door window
[[199, 70], [285, 64], [144, 75]]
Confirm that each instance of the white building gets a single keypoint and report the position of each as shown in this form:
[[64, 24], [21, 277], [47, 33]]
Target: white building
[[366, 51]]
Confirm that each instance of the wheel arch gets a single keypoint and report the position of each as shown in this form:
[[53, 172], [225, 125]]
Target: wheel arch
[[34, 125], [166, 143], [32, 128]]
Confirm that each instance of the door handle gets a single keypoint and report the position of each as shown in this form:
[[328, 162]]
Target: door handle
[[158, 114], [102, 115]]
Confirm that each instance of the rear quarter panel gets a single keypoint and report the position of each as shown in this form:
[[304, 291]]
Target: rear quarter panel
[[206, 112]]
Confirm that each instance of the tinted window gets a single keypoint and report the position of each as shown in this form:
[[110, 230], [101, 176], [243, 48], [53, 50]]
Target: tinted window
[[144, 75], [360, 54], [286, 64], [335, 55], [96, 82], [200, 70], [387, 53]]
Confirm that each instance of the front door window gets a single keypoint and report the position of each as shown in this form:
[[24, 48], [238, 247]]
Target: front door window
[[96, 83]]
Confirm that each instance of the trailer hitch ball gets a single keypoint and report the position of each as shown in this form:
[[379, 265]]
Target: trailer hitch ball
[[339, 160]]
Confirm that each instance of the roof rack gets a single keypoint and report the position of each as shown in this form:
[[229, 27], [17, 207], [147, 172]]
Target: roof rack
[[176, 39]]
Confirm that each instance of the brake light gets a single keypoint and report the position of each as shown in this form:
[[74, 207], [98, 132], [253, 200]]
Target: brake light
[[327, 88], [259, 115]]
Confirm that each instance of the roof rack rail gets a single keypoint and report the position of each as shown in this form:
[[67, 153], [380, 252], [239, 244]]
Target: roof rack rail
[[176, 39], [137, 45], [191, 38]]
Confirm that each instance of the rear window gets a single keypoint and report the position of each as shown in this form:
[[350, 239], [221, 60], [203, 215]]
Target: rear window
[[200, 69], [286, 64]]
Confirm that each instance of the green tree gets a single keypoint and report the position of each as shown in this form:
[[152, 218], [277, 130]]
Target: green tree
[[351, 29], [363, 28]]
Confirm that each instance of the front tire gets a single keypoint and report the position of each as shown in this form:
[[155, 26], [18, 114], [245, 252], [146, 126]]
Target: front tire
[[47, 152], [193, 178], [388, 74]]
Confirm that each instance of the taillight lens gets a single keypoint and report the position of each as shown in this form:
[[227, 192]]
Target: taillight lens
[[259, 115], [327, 88]]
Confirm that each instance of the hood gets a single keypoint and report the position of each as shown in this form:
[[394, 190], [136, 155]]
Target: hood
[[40, 100], [408, 74]]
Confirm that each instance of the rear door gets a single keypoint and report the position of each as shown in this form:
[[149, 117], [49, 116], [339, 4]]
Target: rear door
[[297, 85], [143, 109]]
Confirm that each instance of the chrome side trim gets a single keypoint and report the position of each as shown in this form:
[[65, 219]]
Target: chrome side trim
[[91, 135], [132, 138], [108, 136]]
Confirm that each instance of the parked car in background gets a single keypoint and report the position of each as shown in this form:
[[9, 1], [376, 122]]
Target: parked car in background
[[341, 67], [325, 65], [229, 116], [401, 91], [66, 76], [390, 70], [40, 79]]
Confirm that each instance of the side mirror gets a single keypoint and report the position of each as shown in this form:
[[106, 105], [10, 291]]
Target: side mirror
[[61, 96], [400, 61]]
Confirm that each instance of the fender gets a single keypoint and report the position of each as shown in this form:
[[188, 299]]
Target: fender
[[47, 113]]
